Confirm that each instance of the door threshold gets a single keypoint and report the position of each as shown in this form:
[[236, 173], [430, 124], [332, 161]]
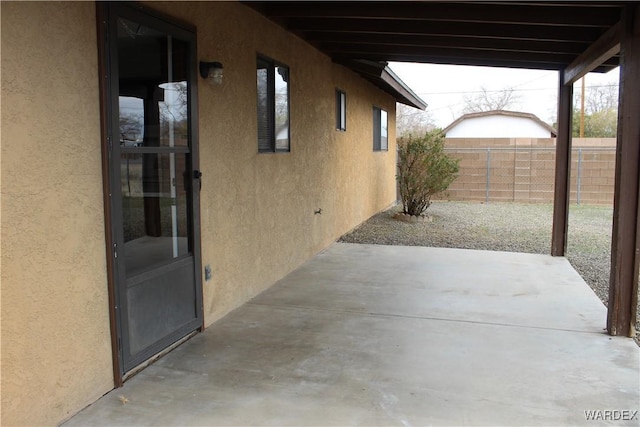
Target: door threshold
[[133, 371]]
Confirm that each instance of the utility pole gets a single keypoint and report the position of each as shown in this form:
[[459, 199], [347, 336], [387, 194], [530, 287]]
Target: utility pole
[[582, 109]]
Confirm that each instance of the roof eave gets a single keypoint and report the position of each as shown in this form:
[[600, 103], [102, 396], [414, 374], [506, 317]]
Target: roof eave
[[382, 76], [404, 93]]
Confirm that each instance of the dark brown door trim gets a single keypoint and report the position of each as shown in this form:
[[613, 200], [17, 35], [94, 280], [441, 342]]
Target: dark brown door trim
[[103, 70]]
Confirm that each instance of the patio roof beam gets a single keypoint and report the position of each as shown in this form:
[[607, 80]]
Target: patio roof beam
[[623, 284], [600, 51], [459, 29], [388, 51], [455, 60], [512, 13], [427, 41], [563, 169]]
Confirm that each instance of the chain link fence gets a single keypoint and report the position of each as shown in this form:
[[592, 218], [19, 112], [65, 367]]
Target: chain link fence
[[527, 174]]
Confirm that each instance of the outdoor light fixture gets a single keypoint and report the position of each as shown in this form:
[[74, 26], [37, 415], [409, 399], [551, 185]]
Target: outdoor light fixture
[[211, 71]]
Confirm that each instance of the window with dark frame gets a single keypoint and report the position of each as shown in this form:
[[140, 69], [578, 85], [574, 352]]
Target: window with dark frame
[[272, 81], [380, 130], [341, 110]]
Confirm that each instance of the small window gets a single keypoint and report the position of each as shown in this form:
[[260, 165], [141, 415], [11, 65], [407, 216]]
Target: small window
[[380, 130], [341, 110], [273, 106]]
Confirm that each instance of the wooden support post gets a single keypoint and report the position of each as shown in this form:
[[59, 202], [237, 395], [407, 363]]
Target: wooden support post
[[623, 284], [563, 169]]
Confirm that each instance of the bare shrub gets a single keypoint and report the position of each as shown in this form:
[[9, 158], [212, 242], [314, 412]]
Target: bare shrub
[[424, 170]]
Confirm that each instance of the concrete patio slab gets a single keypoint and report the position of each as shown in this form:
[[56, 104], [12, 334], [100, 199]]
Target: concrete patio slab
[[389, 335]]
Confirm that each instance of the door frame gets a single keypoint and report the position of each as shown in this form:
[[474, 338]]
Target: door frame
[[103, 12]]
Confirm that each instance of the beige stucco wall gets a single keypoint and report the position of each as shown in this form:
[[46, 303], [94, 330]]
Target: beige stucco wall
[[56, 351], [258, 220], [257, 210]]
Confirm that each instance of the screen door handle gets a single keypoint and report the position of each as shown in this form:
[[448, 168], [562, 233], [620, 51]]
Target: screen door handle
[[197, 175]]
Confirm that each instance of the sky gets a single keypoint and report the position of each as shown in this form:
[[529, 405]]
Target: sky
[[443, 87]]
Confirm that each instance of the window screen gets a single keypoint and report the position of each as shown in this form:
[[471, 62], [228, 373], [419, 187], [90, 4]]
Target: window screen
[[273, 106], [380, 130], [341, 110]]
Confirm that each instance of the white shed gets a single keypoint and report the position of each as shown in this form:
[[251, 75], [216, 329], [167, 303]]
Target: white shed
[[499, 124]]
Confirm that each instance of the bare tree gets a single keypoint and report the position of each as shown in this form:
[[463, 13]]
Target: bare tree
[[601, 98], [130, 126], [487, 100], [412, 121]]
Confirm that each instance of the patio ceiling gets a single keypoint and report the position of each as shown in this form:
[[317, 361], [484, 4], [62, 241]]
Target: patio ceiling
[[533, 35]]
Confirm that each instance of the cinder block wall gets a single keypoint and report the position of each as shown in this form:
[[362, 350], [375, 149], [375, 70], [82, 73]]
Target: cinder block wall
[[523, 170]]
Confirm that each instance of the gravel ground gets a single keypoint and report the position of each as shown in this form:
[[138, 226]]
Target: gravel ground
[[503, 227]]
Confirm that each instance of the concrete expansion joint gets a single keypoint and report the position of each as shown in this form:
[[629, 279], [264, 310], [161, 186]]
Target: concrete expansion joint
[[477, 322], [437, 319]]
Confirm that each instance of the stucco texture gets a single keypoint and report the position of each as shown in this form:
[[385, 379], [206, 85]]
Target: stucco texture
[[258, 220], [56, 351], [257, 210]]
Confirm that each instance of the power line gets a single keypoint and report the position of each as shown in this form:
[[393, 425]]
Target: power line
[[544, 76], [502, 90]]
